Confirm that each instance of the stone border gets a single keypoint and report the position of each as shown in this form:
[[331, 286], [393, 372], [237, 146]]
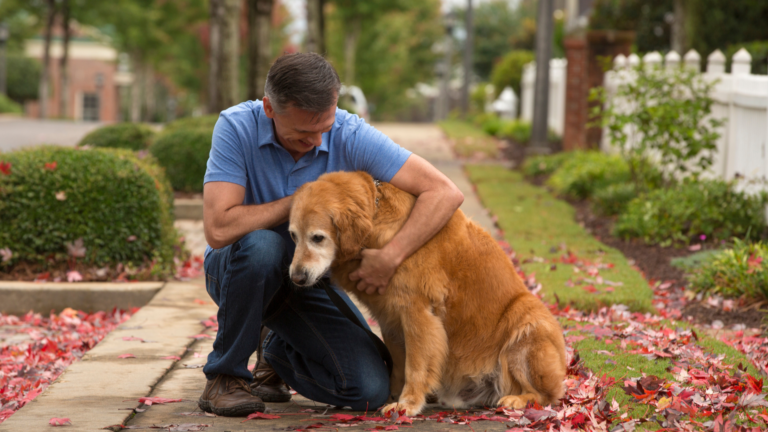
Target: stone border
[[188, 208], [22, 297]]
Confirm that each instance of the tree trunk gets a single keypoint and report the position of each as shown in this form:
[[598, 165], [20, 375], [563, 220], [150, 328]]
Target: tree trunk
[[679, 39], [222, 79], [467, 61], [149, 93], [350, 48], [64, 65], [136, 89], [315, 26], [45, 72], [259, 52]]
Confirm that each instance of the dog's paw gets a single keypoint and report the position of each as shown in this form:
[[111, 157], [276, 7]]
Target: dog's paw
[[393, 410], [516, 402]]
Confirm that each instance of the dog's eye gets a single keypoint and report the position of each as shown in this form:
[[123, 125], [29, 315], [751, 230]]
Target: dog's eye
[[317, 238], [293, 236]]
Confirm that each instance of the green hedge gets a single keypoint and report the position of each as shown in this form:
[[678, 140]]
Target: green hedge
[[121, 207], [545, 164], [686, 211], [206, 122], [586, 172], [184, 153], [740, 270], [7, 106], [133, 136]]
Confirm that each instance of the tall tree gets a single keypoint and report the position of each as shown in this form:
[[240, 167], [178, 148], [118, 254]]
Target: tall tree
[[259, 48], [316, 26], [64, 64], [45, 75], [222, 78]]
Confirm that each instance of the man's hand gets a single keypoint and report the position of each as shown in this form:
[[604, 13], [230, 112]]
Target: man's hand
[[375, 271]]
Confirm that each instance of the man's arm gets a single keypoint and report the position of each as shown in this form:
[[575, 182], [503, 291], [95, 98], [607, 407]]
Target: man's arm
[[226, 219], [437, 200]]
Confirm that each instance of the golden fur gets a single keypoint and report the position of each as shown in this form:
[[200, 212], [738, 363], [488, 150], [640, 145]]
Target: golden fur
[[456, 316]]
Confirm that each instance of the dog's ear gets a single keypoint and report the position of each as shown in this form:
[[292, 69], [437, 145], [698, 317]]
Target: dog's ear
[[353, 226]]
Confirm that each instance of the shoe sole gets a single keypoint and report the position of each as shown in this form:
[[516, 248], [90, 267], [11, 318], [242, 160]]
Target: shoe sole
[[271, 397], [235, 411]]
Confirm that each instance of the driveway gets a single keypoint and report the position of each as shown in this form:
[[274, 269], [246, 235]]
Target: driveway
[[16, 133]]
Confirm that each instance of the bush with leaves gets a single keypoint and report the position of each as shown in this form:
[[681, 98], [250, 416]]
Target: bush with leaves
[[545, 164], [23, 79], [613, 199], [99, 206], [663, 115], [7, 106], [508, 72], [132, 136], [183, 152], [206, 122], [735, 272], [681, 213], [586, 172], [516, 130]]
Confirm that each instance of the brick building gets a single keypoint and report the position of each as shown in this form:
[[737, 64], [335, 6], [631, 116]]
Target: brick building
[[95, 75]]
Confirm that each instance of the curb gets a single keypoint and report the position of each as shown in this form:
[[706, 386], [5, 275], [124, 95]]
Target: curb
[[188, 208], [22, 297]]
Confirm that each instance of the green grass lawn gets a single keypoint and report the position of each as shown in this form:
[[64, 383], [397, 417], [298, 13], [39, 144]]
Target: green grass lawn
[[535, 223], [469, 140], [539, 226]]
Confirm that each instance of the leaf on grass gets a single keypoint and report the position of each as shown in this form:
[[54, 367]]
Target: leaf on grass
[[125, 356], [59, 421]]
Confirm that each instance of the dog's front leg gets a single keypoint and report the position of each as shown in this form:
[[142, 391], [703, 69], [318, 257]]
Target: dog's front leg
[[426, 348], [395, 342]]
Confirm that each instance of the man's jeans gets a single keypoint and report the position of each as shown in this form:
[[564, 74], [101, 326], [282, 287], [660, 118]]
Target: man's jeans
[[313, 347]]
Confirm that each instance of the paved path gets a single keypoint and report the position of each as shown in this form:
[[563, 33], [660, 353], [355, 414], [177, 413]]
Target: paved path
[[16, 132], [103, 390]]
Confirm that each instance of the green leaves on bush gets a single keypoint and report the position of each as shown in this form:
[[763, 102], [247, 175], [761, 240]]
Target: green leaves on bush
[[583, 173], [183, 152], [545, 164], [613, 199], [739, 271], [7, 106], [508, 72], [678, 214], [516, 130], [206, 122], [133, 136], [119, 205]]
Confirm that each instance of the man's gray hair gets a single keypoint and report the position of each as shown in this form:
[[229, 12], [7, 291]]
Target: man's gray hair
[[306, 81]]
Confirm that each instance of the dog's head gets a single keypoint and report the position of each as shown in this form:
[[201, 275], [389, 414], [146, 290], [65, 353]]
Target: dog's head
[[330, 220]]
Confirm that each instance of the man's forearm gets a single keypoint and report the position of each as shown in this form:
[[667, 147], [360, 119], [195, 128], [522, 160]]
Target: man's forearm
[[231, 224], [430, 213]]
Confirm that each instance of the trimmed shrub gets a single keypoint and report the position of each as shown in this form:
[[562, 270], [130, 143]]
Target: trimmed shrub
[[545, 164], [206, 122], [516, 130], [508, 72], [492, 126], [678, 214], [584, 173], [7, 106], [739, 271], [184, 153], [23, 79], [613, 199], [133, 136], [116, 206]]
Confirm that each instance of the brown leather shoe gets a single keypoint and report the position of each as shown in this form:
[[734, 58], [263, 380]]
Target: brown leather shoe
[[229, 396], [266, 383]]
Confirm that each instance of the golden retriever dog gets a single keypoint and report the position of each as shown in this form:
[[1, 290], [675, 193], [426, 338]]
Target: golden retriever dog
[[456, 317]]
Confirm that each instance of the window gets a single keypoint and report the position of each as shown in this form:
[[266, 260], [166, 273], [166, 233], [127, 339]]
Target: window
[[90, 107]]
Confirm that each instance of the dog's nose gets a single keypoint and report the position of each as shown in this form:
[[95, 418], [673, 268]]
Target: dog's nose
[[299, 277]]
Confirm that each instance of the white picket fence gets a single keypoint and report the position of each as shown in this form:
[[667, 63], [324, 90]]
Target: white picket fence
[[741, 100], [557, 75]]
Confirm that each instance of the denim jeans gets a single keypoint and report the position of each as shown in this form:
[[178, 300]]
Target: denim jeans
[[312, 346]]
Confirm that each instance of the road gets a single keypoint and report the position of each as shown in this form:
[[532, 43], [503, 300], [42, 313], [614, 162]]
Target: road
[[16, 133]]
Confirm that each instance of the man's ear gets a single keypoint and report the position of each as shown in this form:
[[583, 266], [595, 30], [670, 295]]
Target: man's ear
[[353, 226], [268, 109]]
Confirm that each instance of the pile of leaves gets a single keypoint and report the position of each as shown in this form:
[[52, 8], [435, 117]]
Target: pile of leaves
[[45, 348]]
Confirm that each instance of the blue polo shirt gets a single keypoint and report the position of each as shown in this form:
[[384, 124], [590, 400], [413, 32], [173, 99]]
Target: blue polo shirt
[[245, 151]]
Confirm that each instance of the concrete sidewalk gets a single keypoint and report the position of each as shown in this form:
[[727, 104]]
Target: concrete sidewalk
[[102, 390]]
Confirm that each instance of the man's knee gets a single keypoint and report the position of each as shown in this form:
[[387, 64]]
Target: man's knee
[[264, 250], [373, 390]]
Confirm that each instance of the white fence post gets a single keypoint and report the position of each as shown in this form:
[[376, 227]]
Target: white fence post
[[620, 62], [741, 63], [672, 60], [652, 60], [557, 85], [716, 63], [692, 60], [633, 60]]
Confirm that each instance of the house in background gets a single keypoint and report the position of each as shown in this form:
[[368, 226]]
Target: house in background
[[96, 74]]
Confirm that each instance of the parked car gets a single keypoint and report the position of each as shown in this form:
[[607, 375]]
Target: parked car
[[352, 99]]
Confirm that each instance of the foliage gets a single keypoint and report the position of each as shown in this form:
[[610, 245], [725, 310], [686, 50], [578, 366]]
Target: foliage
[[663, 114], [509, 71], [468, 139], [478, 97], [739, 271], [516, 130], [492, 125], [119, 205], [544, 164], [586, 172], [693, 208], [184, 154], [23, 77], [716, 24], [205, 123], [132, 136], [614, 198], [7, 106], [757, 49], [645, 17]]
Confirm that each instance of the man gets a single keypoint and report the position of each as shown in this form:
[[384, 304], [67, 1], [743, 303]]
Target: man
[[262, 152]]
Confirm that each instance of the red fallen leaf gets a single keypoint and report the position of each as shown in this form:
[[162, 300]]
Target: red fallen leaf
[[342, 417], [132, 338], [149, 401], [125, 356], [202, 336], [404, 419], [5, 167], [259, 415], [391, 428], [59, 421], [590, 289], [43, 277], [753, 385], [177, 358], [200, 302], [51, 166]]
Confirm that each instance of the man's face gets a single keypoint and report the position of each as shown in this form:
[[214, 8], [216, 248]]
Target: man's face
[[300, 131]]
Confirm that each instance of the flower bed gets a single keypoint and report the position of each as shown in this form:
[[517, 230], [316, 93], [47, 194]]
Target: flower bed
[[41, 348]]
